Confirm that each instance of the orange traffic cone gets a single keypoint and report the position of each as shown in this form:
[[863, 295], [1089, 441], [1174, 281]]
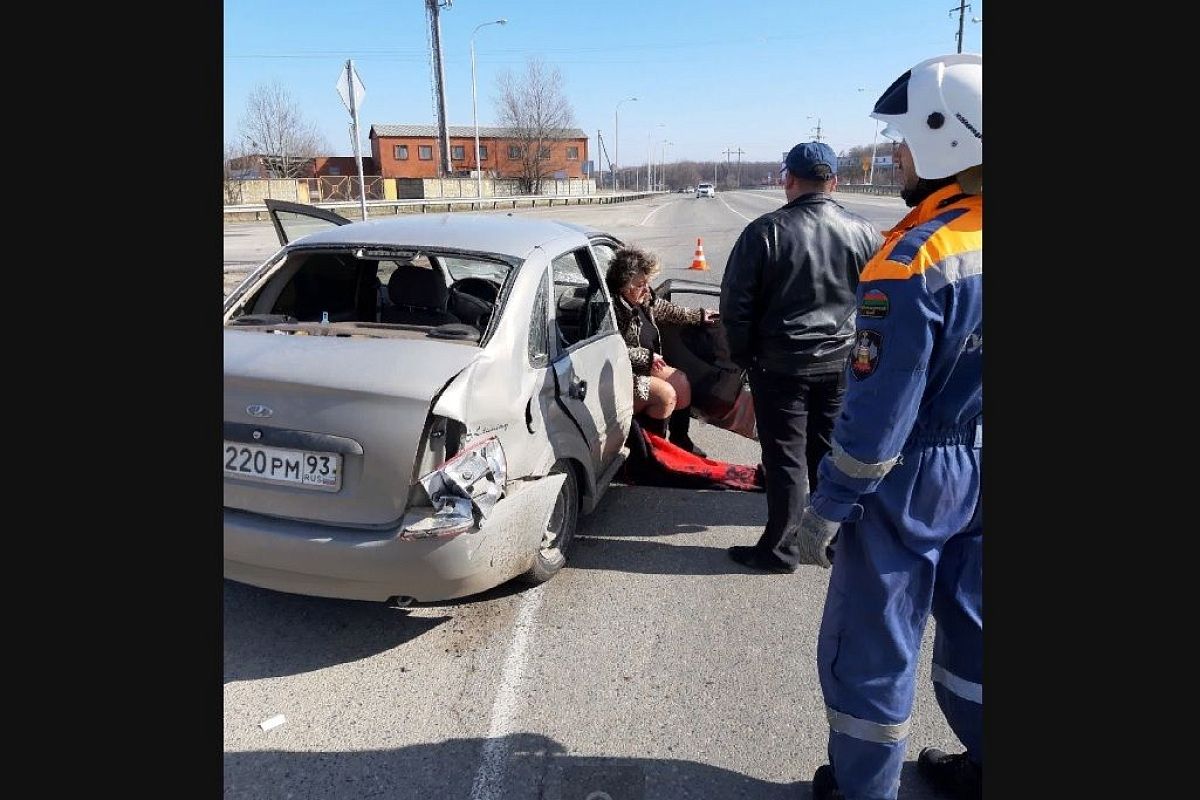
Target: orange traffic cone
[[698, 261]]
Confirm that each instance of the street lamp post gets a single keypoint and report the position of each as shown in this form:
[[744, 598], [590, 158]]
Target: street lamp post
[[474, 112], [649, 161], [652, 177], [874, 140], [662, 164], [617, 137]]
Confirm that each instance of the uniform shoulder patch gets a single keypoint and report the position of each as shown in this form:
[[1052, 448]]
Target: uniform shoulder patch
[[864, 358], [874, 304]]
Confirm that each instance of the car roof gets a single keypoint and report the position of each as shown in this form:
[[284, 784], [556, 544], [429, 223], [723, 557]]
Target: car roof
[[491, 233]]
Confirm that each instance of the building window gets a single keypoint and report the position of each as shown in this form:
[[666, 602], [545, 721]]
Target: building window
[[573, 153], [483, 152], [514, 151], [335, 170], [425, 152], [457, 153], [400, 152], [544, 151]]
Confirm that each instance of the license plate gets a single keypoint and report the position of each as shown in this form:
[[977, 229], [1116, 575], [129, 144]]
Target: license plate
[[307, 469]]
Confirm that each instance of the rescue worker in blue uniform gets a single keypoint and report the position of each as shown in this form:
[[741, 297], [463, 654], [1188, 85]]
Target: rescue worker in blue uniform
[[897, 509]]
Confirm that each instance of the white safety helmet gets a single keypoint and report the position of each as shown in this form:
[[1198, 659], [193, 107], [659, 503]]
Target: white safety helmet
[[937, 108]]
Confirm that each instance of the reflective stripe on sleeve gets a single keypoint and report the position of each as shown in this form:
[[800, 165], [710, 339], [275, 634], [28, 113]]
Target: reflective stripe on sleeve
[[867, 731], [959, 686], [860, 469], [953, 269]]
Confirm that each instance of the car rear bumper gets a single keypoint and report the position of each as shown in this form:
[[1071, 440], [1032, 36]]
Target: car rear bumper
[[348, 563]]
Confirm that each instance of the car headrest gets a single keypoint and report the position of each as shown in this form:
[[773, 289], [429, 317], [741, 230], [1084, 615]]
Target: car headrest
[[418, 287]]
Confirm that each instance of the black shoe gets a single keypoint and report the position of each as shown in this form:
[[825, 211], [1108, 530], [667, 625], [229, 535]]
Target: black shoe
[[750, 556], [824, 785], [681, 421], [689, 445], [954, 775]]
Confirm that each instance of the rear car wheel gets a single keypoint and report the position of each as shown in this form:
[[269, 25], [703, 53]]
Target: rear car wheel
[[560, 530]]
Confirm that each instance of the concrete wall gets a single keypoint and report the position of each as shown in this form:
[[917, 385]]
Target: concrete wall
[[249, 192], [425, 188], [255, 191]]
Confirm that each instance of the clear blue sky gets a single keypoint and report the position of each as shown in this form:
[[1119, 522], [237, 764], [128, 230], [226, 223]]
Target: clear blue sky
[[754, 74]]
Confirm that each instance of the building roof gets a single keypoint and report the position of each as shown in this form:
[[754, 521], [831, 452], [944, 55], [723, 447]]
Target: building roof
[[459, 130]]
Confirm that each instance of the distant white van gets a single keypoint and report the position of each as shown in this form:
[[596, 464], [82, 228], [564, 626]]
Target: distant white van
[[705, 190]]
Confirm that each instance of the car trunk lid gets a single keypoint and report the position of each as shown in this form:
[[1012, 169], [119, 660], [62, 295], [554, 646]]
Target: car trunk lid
[[363, 399]]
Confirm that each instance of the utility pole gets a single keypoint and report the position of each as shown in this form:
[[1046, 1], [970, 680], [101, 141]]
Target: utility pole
[[435, 32], [728, 153], [739, 172], [602, 154], [352, 91], [961, 8]]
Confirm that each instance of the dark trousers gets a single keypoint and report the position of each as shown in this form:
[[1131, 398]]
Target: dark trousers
[[795, 416]]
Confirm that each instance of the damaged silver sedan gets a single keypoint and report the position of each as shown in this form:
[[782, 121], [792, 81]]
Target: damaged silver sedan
[[418, 407]]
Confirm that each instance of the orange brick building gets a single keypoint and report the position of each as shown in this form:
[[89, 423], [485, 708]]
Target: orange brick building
[[342, 165], [413, 151]]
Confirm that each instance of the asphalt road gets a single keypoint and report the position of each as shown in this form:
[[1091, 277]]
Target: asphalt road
[[652, 667]]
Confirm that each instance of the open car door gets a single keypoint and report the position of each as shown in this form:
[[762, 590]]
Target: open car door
[[293, 220], [720, 391]]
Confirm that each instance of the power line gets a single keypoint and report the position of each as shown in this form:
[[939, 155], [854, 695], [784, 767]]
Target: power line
[[393, 51]]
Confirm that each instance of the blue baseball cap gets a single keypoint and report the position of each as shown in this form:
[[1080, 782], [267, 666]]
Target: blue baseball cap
[[803, 159]]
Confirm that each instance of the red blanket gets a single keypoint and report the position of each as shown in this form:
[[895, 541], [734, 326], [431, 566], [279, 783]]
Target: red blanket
[[653, 461]]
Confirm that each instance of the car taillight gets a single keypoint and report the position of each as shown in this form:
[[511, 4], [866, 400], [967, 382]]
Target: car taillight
[[471, 482]]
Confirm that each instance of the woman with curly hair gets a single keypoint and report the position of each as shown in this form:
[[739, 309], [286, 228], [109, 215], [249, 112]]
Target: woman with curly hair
[[660, 391]]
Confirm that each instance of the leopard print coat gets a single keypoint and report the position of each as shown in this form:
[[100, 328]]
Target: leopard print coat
[[629, 324]]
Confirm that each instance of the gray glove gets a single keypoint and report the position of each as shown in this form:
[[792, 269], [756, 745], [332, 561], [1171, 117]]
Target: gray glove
[[815, 537]]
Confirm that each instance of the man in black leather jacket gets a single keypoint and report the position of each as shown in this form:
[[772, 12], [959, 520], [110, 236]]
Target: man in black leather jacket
[[788, 305]]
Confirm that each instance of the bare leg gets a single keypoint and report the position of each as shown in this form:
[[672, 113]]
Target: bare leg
[[661, 402]]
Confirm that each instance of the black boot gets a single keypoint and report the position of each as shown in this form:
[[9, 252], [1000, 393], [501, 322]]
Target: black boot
[[954, 774], [825, 786], [681, 420], [652, 425]]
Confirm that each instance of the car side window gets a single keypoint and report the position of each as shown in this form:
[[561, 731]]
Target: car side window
[[604, 252], [539, 327], [601, 314], [581, 307]]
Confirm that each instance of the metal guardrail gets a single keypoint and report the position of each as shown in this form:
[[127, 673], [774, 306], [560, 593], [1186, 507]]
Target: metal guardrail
[[530, 200], [866, 188]]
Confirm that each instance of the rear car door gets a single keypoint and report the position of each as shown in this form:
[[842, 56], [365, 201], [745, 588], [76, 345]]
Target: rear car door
[[293, 220], [591, 363]]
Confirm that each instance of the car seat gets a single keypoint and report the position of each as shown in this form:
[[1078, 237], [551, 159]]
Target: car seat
[[419, 296]]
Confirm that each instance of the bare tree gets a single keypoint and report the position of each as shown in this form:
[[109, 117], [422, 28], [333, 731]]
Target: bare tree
[[235, 166], [537, 114], [274, 127]]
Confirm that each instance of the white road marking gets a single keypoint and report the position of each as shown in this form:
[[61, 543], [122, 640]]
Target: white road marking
[[655, 211], [740, 214], [487, 785]]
